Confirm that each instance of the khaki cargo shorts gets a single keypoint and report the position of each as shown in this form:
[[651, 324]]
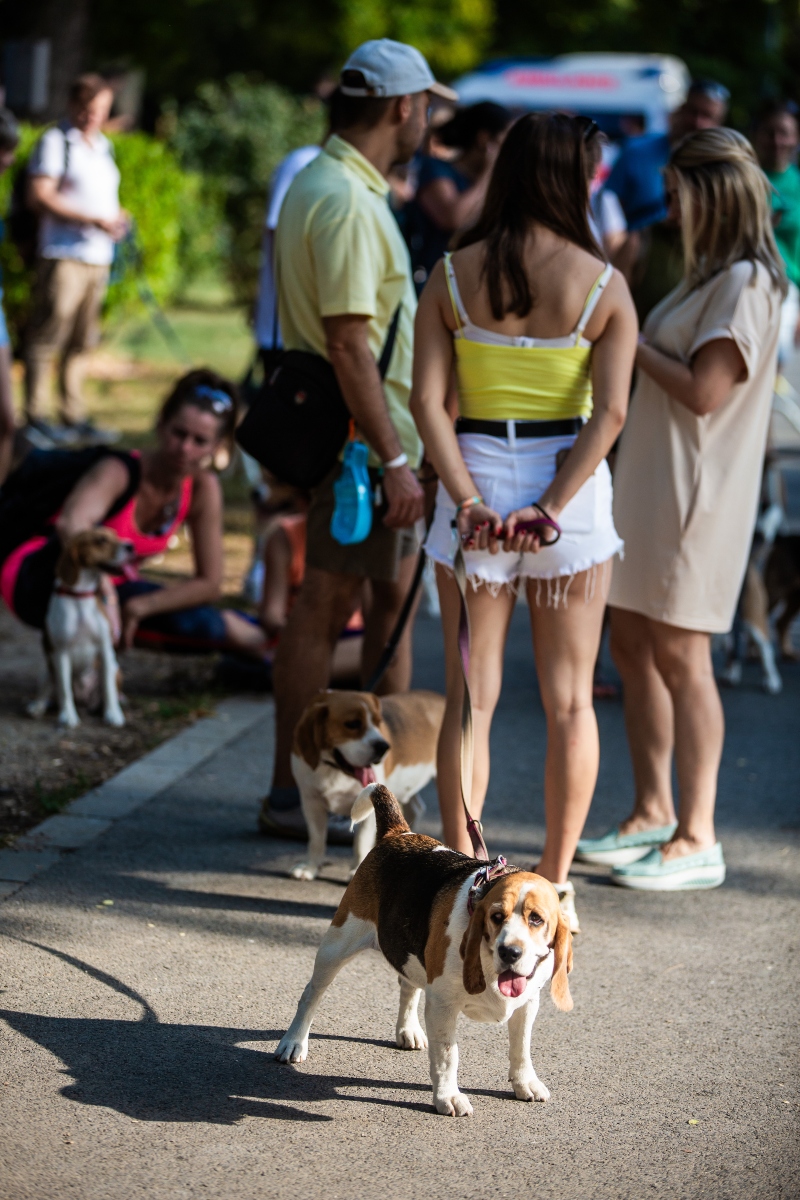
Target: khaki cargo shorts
[[377, 557]]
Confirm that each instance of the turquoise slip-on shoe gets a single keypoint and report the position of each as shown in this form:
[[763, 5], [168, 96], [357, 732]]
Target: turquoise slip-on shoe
[[617, 849], [652, 874]]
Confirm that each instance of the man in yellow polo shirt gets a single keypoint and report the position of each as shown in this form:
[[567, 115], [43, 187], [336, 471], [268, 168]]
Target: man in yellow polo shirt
[[342, 272]]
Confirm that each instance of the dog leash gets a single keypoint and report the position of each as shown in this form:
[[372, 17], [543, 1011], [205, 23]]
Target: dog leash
[[474, 828], [390, 648]]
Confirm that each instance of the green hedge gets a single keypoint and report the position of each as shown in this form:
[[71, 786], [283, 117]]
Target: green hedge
[[179, 225]]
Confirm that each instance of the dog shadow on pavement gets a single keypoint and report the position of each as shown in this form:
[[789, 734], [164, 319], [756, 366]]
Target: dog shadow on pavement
[[167, 1072]]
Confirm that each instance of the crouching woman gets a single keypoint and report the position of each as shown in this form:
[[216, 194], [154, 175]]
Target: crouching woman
[[144, 497]]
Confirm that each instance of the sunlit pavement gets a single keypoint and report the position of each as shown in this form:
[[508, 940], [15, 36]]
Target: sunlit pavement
[[137, 1035]]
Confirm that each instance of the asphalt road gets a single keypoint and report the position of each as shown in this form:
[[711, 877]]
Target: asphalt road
[[137, 1036]]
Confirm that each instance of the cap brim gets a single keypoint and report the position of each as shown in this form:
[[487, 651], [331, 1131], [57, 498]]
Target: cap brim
[[443, 92]]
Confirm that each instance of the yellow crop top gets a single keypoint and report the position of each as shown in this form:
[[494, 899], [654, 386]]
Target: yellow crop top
[[519, 378]]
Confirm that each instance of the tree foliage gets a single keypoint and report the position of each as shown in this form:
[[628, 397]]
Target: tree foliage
[[236, 133]]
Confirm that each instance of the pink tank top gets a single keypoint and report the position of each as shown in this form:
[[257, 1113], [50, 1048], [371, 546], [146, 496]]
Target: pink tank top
[[147, 544], [123, 523]]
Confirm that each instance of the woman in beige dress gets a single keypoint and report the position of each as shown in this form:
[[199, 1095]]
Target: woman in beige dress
[[686, 490]]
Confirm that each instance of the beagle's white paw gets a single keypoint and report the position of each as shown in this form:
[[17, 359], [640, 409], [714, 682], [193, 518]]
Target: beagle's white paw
[[292, 1049], [411, 1036], [303, 870], [69, 720], [115, 717], [530, 1088], [37, 708], [456, 1105]]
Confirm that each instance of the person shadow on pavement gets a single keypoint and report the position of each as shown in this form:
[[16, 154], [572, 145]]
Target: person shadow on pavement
[[153, 1071]]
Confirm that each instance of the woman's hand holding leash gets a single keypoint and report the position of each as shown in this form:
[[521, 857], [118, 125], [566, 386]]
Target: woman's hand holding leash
[[528, 529]]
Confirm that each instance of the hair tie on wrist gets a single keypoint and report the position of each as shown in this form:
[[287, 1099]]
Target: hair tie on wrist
[[400, 461], [468, 503]]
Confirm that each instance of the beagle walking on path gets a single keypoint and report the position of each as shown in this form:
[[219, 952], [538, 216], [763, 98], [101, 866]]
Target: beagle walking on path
[[478, 938]]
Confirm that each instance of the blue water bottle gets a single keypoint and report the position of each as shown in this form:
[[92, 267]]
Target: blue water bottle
[[352, 513]]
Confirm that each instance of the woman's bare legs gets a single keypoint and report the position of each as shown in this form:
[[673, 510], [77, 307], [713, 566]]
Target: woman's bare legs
[[565, 642], [489, 620], [648, 720], [682, 659]]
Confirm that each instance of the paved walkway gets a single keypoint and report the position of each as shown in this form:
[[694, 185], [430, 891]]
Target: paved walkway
[[147, 975]]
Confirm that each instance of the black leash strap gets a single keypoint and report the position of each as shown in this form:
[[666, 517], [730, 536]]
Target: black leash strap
[[393, 642]]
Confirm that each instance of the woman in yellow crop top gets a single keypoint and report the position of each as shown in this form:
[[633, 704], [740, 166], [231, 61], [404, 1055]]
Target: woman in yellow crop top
[[541, 335]]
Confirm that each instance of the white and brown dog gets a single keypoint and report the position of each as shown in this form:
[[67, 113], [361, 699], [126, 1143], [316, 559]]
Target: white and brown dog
[[345, 740], [476, 943], [77, 633]]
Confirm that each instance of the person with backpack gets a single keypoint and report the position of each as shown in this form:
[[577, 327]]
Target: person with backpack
[[73, 188], [9, 140]]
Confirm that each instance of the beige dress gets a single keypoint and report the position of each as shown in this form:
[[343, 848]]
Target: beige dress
[[685, 487]]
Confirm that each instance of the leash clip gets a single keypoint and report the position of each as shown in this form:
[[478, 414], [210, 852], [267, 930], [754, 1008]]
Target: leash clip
[[484, 878]]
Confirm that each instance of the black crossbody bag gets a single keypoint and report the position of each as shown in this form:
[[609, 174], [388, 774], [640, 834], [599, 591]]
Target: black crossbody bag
[[298, 421]]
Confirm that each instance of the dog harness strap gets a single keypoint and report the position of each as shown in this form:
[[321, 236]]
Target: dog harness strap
[[65, 591], [474, 828]]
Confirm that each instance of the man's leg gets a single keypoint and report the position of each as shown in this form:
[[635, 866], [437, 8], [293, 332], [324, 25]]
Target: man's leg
[[303, 658], [387, 601], [90, 285], [51, 325]]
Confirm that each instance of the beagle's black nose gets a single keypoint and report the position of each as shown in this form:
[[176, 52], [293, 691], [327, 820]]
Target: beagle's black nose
[[509, 953], [379, 748]]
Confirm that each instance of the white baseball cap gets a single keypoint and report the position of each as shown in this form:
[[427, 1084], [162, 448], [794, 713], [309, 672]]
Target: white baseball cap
[[391, 69]]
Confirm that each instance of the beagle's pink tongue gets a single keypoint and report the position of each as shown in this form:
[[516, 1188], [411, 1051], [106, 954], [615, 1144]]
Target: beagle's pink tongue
[[364, 775], [511, 984]]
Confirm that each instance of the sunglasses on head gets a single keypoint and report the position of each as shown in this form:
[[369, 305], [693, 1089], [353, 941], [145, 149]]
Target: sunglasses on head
[[220, 401], [587, 127]]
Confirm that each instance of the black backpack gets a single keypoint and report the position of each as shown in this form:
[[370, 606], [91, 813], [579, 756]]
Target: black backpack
[[37, 489], [22, 221]]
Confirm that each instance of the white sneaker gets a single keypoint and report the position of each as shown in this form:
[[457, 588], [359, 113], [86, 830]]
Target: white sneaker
[[566, 897]]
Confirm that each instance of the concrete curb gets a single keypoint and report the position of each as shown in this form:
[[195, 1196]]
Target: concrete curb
[[87, 817]]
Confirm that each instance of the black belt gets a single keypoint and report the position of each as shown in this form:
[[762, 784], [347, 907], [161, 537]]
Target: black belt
[[522, 429]]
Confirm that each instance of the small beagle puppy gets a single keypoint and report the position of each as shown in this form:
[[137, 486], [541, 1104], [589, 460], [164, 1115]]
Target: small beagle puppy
[[76, 629], [479, 938], [345, 740]]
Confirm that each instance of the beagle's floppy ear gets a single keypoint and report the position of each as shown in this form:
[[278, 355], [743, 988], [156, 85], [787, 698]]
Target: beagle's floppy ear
[[68, 567], [474, 981], [309, 733], [562, 965]]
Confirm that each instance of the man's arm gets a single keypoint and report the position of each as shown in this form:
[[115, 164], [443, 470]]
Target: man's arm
[[45, 197], [360, 381]]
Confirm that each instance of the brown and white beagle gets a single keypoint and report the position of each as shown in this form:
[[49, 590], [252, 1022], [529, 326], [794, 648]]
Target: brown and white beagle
[[77, 634], [477, 944], [345, 740]]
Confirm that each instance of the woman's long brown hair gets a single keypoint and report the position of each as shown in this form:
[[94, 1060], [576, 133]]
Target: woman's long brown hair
[[542, 174]]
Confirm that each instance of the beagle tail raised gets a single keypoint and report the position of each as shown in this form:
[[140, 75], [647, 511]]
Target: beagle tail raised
[[388, 813]]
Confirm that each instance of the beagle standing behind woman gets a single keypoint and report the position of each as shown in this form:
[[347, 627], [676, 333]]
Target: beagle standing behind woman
[[479, 938]]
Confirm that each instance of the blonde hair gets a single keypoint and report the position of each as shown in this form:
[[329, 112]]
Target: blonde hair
[[726, 212]]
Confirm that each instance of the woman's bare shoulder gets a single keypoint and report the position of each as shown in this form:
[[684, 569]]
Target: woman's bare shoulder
[[206, 491]]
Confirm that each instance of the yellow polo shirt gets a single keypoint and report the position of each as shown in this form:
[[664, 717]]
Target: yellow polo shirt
[[338, 250]]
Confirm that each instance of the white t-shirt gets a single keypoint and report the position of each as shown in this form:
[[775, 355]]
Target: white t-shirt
[[90, 185], [605, 214], [265, 322]]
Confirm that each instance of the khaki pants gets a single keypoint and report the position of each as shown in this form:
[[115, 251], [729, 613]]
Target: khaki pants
[[65, 324]]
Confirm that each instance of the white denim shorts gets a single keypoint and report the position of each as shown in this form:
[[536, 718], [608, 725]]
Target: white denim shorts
[[510, 476]]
